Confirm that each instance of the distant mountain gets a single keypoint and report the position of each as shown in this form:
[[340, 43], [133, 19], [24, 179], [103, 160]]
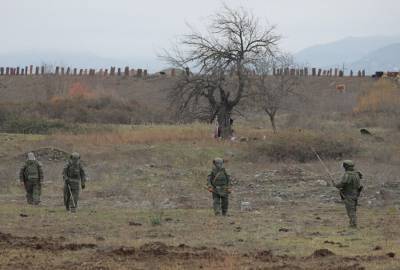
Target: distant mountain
[[382, 59], [344, 51], [74, 59]]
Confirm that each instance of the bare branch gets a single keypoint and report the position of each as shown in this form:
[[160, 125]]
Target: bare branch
[[233, 43]]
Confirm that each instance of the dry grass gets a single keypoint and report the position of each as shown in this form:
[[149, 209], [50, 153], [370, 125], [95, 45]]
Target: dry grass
[[148, 134], [133, 182], [383, 96], [145, 134], [298, 146], [259, 232]]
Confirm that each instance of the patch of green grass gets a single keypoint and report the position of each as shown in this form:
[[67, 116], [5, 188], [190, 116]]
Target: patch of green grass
[[156, 217], [34, 125]]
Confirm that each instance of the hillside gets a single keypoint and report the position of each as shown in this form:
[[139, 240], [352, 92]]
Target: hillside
[[81, 59], [146, 205], [383, 59], [344, 51], [42, 88]]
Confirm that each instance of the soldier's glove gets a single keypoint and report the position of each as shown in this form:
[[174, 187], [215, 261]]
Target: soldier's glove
[[210, 189], [83, 186]]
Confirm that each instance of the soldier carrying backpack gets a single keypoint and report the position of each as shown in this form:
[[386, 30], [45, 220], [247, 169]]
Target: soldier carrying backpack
[[31, 175], [219, 184], [74, 179]]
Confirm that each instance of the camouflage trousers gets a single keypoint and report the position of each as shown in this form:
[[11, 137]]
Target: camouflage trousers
[[351, 209], [220, 204], [33, 191], [71, 194]]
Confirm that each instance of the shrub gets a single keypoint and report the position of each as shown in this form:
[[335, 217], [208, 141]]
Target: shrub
[[80, 90], [383, 96], [156, 218], [102, 110], [32, 125], [297, 146]]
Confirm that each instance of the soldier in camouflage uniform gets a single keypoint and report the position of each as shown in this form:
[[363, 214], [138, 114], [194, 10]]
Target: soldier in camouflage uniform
[[350, 189], [218, 183], [74, 179], [31, 175]]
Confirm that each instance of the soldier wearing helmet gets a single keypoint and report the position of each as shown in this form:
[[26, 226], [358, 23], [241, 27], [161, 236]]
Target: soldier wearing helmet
[[31, 175], [218, 183], [350, 189], [74, 179]]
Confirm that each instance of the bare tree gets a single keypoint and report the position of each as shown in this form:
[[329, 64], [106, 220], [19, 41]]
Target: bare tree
[[234, 40], [271, 92]]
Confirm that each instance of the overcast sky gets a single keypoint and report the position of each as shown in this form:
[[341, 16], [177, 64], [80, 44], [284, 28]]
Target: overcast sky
[[121, 28]]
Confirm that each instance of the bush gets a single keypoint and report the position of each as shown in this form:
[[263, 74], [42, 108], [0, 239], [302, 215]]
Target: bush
[[383, 96], [101, 110], [156, 218], [32, 125], [297, 146]]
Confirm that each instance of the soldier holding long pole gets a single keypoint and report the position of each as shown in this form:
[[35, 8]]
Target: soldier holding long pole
[[349, 187], [74, 179]]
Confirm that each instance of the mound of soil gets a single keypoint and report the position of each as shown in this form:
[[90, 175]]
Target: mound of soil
[[159, 253], [322, 253], [48, 153], [155, 249], [48, 244], [264, 256]]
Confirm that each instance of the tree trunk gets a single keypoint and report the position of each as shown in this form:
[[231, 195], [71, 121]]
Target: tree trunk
[[224, 122], [272, 119]]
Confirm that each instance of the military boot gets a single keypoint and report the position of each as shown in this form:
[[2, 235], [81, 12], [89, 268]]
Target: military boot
[[353, 223]]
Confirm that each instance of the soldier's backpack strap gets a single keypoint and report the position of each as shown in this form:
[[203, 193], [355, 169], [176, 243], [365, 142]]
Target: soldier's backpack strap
[[221, 172], [213, 178]]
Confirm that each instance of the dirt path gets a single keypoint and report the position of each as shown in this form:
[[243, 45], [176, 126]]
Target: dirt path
[[55, 253]]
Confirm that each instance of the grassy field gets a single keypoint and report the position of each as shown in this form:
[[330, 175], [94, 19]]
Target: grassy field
[[145, 206]]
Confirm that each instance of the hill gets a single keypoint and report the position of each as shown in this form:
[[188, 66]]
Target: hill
[[79, 59], [385, 59], [344, 51]]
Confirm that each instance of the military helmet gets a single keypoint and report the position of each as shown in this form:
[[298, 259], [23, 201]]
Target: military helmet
[[75, 156], [31, 156], [218, 162], [348, 163]]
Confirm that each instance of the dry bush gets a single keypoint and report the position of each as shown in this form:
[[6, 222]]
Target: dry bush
[[34, 126], [327, 122], [142, 134], [385, 120], [297, 146], [383, 96], [102, 109], [79, 89], [15, 119], [82, 105]]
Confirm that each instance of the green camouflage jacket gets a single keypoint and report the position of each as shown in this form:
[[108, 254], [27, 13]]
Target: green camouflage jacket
[[219, 181], [74, 172], [32, 170], [350, 184]]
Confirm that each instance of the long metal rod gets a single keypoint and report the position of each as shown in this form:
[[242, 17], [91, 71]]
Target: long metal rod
[[72, 197], [323, 165]]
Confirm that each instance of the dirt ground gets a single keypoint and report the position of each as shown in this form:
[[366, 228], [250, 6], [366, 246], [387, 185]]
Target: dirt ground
[[145, 207]]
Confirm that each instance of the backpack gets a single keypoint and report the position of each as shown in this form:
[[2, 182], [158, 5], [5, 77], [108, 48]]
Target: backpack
[[220, 178], [74, 171], [31, 170]]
